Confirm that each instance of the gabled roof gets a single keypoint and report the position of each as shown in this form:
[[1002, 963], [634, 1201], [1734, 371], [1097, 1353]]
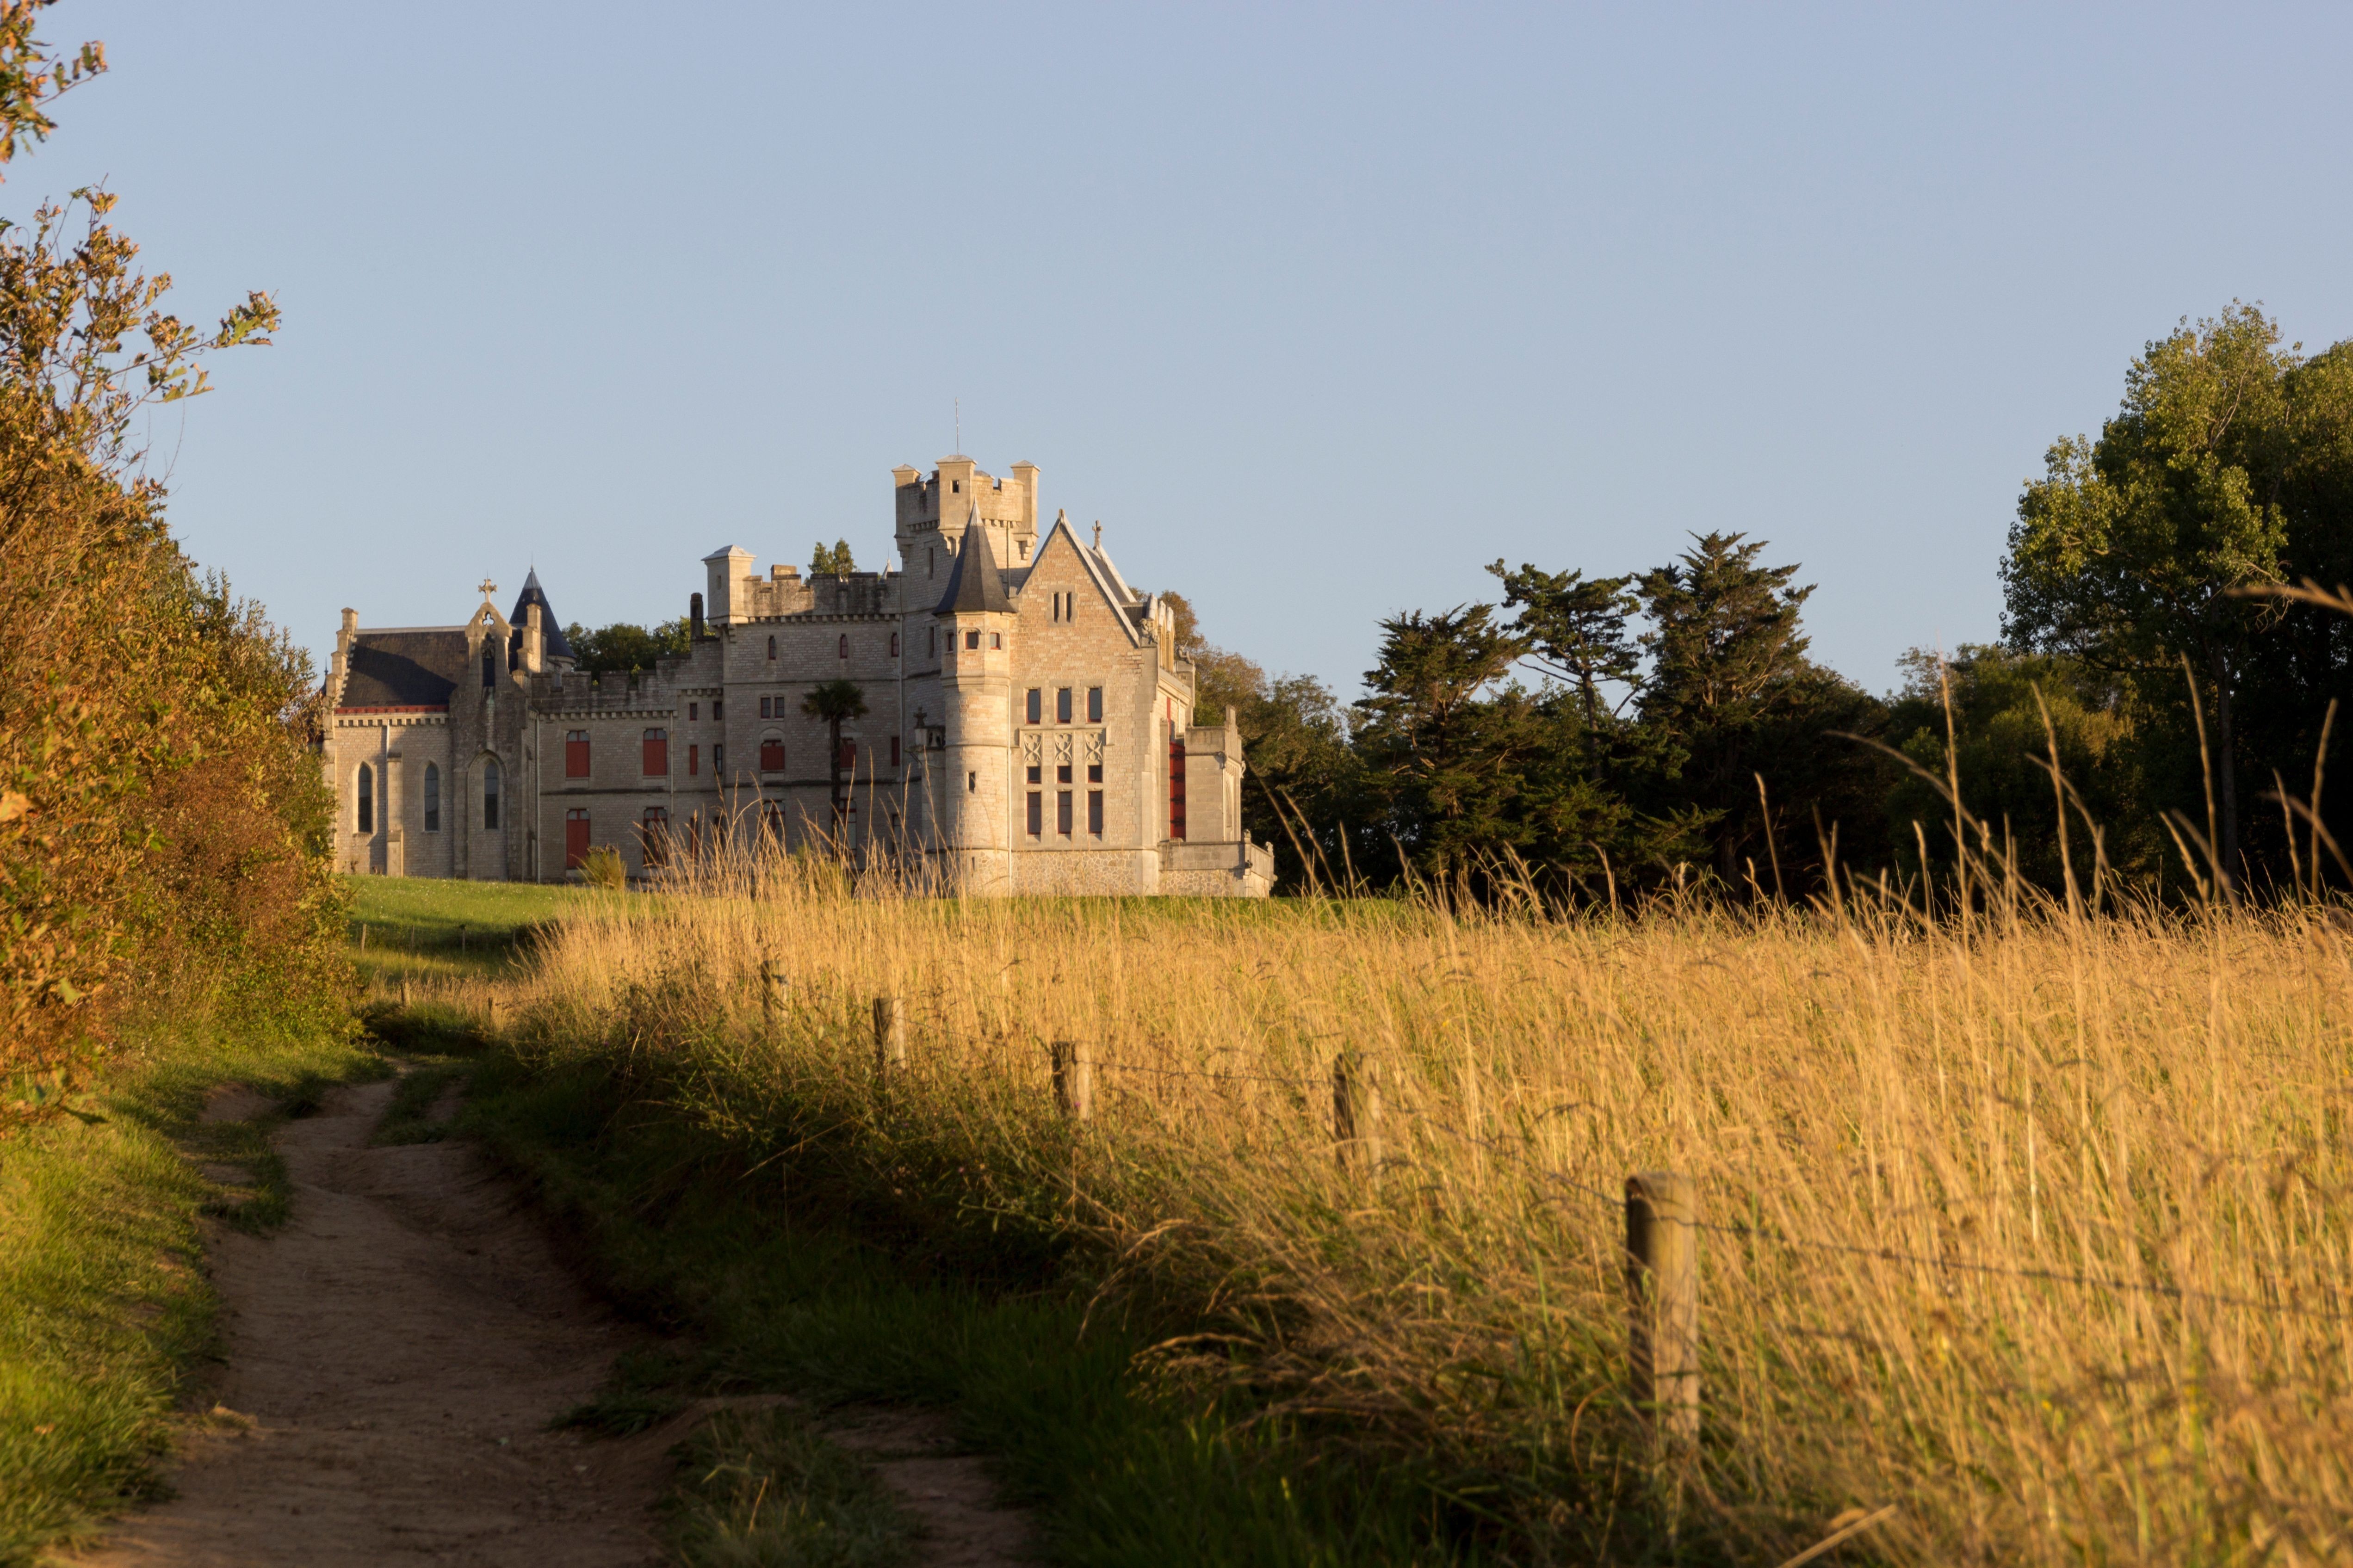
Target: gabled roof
[[975, 585], [1122, 599], [551, 643], [415, 668]]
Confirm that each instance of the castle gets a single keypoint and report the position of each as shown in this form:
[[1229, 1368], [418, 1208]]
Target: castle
[[1027, 726]]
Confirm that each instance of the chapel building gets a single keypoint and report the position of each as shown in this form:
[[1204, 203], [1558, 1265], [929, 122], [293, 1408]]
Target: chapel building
[[1027, 727]]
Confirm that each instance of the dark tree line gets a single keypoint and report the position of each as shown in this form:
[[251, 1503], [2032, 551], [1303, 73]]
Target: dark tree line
[[1607, 736]]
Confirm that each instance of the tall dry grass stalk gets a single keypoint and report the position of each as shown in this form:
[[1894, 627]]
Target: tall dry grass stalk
[[2039, 1234]]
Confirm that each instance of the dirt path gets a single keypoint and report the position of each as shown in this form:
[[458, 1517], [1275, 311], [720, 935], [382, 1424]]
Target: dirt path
[[395, 1353]]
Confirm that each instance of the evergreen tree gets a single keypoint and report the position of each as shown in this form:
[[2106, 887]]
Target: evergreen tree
[[1448, 750]]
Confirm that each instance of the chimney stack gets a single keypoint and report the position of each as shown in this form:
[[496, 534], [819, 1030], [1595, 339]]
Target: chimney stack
[[694, 619]]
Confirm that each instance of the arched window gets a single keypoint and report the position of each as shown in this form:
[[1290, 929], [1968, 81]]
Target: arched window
[[894, 645], [489, 792], [845, 645], [772, 754], [772, 648], [366, 795], [432, 799]]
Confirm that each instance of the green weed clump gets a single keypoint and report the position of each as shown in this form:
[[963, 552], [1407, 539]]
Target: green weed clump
[[2020, 1234]]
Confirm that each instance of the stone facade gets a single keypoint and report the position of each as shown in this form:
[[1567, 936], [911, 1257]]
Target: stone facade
[[1028, 728]]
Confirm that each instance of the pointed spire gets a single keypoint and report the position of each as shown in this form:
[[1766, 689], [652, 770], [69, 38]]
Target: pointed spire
[[974, 585], [552, 642]]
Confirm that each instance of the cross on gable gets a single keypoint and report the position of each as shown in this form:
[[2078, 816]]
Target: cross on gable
[[489, 587]]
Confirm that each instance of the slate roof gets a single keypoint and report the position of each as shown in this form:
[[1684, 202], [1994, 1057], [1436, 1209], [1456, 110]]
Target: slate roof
[[551, 630], [416, 668], [975, 585]]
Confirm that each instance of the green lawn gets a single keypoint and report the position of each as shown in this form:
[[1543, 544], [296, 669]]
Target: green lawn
[[441, 929]]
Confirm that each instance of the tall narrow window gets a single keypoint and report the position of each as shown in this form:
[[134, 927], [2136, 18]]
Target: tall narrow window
[[489, 792], [1036, 705], [718, 759], [693, 760], [366, 796], [576, 836], [694, 712], [894, 645], [575, 753], [894, 751], [1094, 704], [490, 668], [1037, 812], [1175, 782], [655, 832], [845, 645], [772, 648], [656, 749], [1063, 812], [432, 799], [718, 709], [1063, 705], [930, 642], [1095, 812]]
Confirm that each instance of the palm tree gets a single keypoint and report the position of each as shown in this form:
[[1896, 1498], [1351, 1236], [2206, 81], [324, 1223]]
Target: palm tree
[[835, 701]]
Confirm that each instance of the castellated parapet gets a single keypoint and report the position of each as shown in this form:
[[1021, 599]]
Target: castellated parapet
[[1028, 727]]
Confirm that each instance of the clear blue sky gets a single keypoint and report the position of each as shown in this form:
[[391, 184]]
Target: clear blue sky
[[1318, 308]]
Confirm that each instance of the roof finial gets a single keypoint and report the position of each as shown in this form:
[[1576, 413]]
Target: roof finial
[[489, 587], [1098, 533]]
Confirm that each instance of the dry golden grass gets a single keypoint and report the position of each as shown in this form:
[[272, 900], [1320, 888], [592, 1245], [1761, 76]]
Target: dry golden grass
[[2040, 1236]]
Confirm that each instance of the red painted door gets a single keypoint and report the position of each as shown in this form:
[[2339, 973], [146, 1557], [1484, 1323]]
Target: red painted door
[[575, 837]]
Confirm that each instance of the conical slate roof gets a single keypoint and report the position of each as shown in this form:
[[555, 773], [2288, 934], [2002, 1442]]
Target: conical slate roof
[[551, 643], [975, 584]]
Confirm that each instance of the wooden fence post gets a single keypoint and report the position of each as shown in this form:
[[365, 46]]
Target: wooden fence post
[[1662, 1301], [363, 936], [889, 1037], [493, 1012], [772, 991], [1356, 1112], [1074, 1080]]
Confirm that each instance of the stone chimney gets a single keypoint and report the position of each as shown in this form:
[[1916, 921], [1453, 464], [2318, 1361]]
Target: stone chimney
[[693, 619]]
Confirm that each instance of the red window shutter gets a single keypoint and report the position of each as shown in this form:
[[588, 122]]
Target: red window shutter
[[576, 754], [693, 760], [657, 753], [894, 751], [772, 756], [575, 837], [1175, 784]]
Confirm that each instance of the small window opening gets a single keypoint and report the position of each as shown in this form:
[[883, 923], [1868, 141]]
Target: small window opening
[[432, 799], [1037, 704], [772, 648], [971, 639], [491, 793], [1063, 705], [845, 645], [366, 794], [1094, 704], [1037, 812]]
